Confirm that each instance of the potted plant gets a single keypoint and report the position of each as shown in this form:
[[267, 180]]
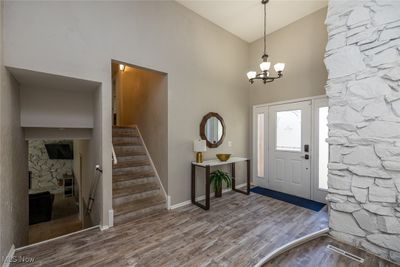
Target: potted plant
[[217, 177]]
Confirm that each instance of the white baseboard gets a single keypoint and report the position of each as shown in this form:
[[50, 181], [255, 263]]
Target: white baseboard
[[104, 227], [9, 258], [179, 205], [110, 222], [290, 245], [188, 202], [58, 237], [168, 202], [111, 218]]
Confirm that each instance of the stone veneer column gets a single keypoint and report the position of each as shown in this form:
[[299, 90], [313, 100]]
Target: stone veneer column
[[362, 58]]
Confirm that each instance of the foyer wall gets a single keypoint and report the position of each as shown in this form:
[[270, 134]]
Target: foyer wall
[[55, 108], [13, 170], [301, 45], [363, 62], [206, 67]]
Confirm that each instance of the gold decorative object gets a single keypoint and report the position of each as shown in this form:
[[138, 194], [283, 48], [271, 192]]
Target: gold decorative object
[[199, 146], [223, 157], [199, 157]]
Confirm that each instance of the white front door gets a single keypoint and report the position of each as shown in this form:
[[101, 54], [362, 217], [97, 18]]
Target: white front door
[[289, 148]]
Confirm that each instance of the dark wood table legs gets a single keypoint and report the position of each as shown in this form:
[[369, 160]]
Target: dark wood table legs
[[207, 189], [208, 184], [247, 192]]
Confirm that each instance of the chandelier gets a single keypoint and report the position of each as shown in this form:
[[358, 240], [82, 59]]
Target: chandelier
[[265, 65]]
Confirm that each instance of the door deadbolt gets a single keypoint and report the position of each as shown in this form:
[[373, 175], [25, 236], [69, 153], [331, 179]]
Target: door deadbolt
[[306, 156]]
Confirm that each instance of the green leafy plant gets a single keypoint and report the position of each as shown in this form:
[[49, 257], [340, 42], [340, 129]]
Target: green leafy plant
[[217, 178]]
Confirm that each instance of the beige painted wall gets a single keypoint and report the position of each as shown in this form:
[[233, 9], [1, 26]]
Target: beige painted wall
[[301, 45], [81, 166], [206, 67], [13, 163], [101, 205], [57, 133], [53, 107], [142, 100]]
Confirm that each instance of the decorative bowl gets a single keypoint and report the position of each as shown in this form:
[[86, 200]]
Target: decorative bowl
[[223, 157]]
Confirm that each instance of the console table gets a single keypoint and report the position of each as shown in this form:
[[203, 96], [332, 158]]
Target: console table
[[207, 166]]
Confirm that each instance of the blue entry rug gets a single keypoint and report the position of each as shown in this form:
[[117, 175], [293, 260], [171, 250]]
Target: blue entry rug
[[298, 201]]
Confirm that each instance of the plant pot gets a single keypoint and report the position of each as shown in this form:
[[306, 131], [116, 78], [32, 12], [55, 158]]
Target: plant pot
[[218, 193]]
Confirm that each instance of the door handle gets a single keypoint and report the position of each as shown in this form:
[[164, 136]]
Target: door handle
[[306, 156]]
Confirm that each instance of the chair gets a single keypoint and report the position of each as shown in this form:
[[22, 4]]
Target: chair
[[40, 207]]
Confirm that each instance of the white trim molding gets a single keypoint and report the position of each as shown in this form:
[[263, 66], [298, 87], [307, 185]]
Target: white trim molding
[[292, 244], [290, 101], [9, 258], [151, 162], [168, 202], [104, 227], [111, 218], [58, 237]]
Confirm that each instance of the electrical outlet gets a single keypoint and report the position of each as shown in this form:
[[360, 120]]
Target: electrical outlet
[[229, 143]]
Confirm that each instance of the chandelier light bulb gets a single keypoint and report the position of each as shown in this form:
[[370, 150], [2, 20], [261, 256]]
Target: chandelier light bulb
[[279, 67], [264, 66], [251, 75]]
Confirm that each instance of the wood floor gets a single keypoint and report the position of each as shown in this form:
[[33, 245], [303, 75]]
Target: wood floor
[[64, 207], [65, 213], [54, 228], [238, 230], [315, 253]]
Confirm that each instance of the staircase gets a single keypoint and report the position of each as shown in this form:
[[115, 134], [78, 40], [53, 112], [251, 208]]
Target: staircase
[[136, 189]]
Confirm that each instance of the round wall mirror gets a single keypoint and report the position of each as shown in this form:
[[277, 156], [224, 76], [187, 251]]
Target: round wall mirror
[[212, 129]]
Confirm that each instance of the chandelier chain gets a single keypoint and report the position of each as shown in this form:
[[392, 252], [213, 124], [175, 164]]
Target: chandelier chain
[[265, 29]]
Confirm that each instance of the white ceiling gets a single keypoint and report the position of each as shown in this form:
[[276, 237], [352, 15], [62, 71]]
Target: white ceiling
[[245, 19], [33, 79]]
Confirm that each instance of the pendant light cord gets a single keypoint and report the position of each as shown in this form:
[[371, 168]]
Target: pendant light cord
[[265, 28]]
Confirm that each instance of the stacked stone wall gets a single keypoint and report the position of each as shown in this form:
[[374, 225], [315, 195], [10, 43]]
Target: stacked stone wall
[[363, 62]]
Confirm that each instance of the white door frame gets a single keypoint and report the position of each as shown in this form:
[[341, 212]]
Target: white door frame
[[262, 181], [263, 108], [316, 193]]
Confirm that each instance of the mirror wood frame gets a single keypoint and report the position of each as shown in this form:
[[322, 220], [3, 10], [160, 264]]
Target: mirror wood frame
[[203, 129]]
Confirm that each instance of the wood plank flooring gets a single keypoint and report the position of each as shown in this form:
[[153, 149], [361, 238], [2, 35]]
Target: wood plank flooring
[[64, 220], [238, 230], [54, 228], [63, 207], [315, 253]]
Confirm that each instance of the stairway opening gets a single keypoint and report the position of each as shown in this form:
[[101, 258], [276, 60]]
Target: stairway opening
[[57, 115], [139, 137], [58, 179]]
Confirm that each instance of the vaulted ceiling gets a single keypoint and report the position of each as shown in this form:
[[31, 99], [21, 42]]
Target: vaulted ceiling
[[244, 18]]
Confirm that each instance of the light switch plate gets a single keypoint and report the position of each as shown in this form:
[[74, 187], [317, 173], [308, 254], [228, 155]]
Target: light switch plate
[[229, 143]]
